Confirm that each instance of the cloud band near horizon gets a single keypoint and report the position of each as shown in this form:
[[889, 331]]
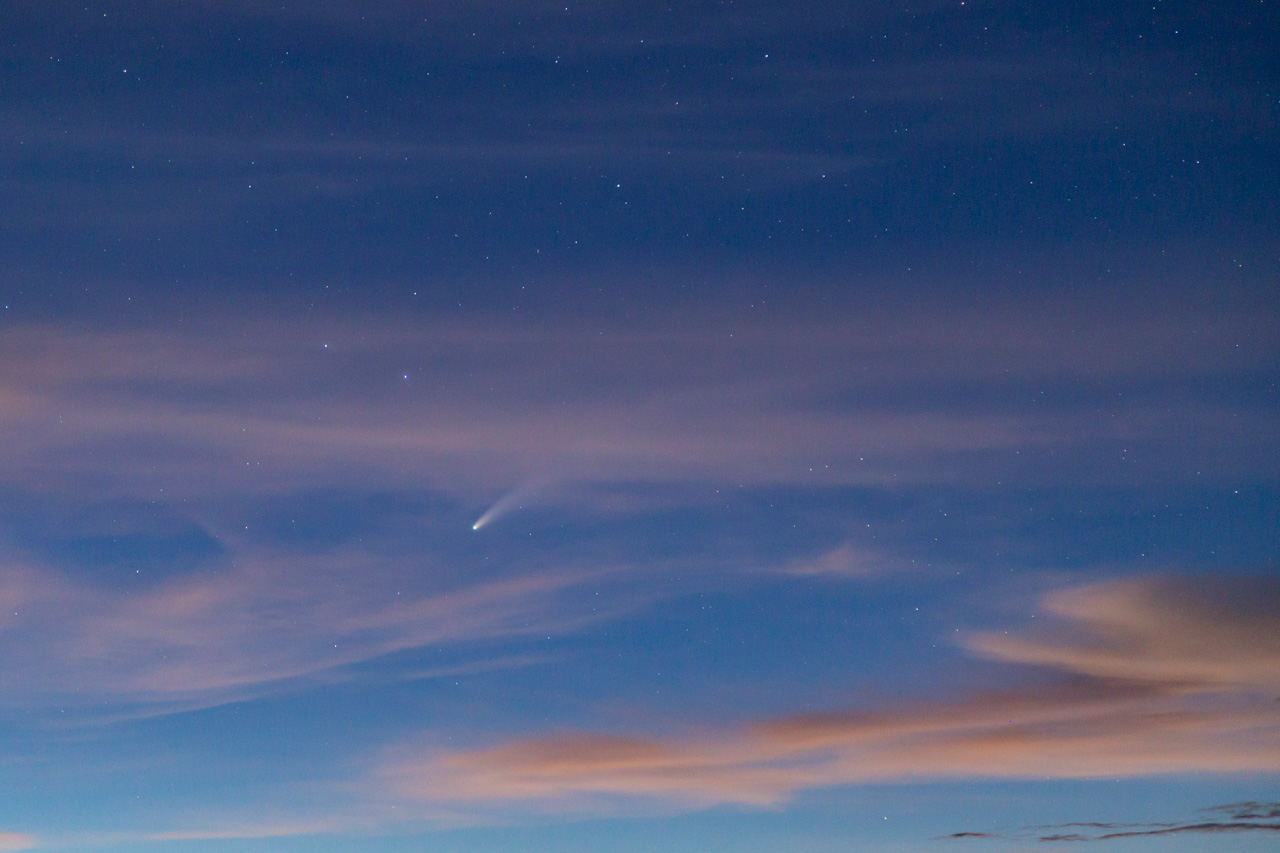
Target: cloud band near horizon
[[1172, 714]]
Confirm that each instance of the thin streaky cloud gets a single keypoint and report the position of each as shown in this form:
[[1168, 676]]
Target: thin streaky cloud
[[1233, 818], [1247, 810], [206, 831], [1082, 727], [469, 409], [995, 736], [195, 641], [1195, 828]]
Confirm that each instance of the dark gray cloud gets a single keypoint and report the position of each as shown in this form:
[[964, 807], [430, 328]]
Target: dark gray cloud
[[1247, 810], [1209, 827], [1231, 818]]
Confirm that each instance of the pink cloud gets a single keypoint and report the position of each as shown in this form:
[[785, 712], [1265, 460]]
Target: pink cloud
[[1222, 633], [17, 841], [213, 637], [1152, 721], [232, 407]]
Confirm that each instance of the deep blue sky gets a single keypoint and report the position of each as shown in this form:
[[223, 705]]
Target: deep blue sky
[[708, 426], [475, 148]]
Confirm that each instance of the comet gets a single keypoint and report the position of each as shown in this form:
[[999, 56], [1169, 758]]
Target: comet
[[511, 500]]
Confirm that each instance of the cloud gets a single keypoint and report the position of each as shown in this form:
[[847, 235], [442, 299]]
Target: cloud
[[209, 831], [1220, 633], [1197, 828], [849, 560], [874, 395], [1248, 810], [204, 639], [1084, 726], [1100, 731], [248, 831], [17, 841], [226, 412], [1243, 817], [223, 412]]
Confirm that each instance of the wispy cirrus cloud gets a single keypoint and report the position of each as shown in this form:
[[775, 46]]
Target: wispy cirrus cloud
[[1088, 725], [866, 396], [236, 832], [226, 411], [849, 560], [201, 829], [195, 640]]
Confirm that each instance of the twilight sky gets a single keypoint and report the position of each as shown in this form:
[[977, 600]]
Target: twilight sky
[[712, 426]]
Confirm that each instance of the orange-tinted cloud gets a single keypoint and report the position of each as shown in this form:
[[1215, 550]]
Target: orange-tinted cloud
[[1222, 632], [17, 841], [1157, 721]]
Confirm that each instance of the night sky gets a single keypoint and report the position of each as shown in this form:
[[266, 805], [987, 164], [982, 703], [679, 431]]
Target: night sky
[[716, 426]]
